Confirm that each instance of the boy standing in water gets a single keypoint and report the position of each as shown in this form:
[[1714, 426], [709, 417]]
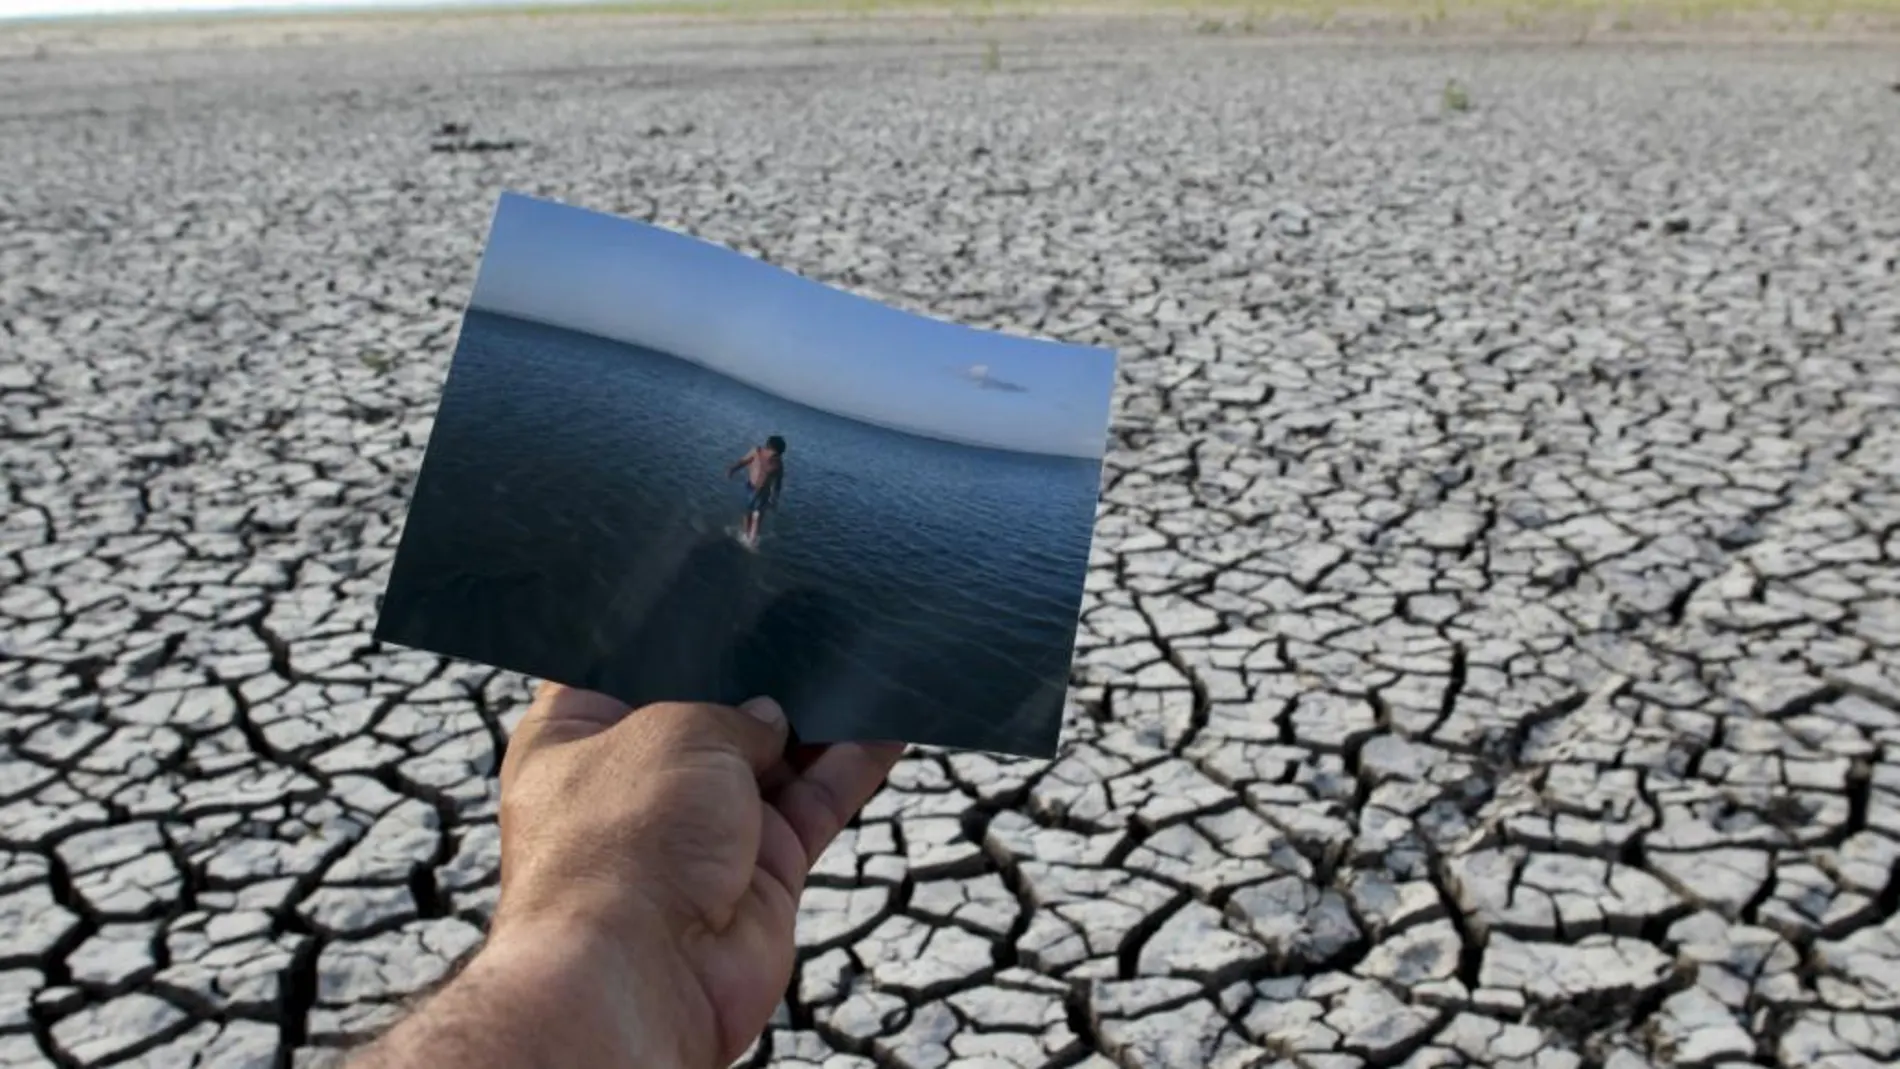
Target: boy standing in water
[[764, 476]]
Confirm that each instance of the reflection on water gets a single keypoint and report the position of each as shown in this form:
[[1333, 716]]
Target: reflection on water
[[572, 520]]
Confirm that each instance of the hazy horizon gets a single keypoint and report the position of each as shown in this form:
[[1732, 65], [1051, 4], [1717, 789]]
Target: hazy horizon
[[798, 339]]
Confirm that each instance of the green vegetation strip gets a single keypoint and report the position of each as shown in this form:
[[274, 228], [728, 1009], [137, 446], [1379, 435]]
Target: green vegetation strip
[[1214, 16], [1257, 8]]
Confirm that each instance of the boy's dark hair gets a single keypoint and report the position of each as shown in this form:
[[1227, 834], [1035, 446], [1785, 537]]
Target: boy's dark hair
[[776, 444]]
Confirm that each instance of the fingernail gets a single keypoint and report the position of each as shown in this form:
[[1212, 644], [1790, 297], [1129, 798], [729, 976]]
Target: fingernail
[[765, 710]]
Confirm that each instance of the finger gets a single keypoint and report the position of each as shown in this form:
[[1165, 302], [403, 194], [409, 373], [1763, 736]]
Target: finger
[[831, 790], [755, 730], [781, 857], [559, 713]]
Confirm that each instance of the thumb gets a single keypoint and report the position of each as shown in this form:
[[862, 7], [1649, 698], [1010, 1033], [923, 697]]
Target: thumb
[[755, 730]]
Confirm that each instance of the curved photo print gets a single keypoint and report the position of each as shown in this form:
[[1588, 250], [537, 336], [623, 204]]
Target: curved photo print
[[666, 471]]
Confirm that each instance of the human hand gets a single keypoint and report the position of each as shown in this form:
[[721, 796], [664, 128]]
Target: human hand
[[664, 851]]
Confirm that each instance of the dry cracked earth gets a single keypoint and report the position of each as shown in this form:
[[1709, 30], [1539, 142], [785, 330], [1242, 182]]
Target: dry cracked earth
[[1492, 653]]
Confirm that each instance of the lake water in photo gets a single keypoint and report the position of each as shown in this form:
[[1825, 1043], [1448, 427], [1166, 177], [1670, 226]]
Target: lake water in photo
[[573, 521]]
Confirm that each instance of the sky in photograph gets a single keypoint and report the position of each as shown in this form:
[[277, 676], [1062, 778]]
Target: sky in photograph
[[803, 341]]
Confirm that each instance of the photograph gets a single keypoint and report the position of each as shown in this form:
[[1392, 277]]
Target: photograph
[[667, 471]]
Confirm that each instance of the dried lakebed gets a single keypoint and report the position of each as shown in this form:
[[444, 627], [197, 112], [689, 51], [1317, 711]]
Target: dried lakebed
[[1492, 647]]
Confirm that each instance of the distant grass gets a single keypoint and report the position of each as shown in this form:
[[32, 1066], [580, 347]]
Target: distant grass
[[1427, 11], [1214, 17], [1241, 15]]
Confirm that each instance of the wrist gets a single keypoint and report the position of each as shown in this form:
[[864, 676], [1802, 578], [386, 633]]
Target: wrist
[[605, 1000]]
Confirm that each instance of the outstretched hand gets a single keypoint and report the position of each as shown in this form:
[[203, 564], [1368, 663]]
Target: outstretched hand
[[651, 865]]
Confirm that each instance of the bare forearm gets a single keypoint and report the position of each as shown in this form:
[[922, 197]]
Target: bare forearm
[[528, 1003]]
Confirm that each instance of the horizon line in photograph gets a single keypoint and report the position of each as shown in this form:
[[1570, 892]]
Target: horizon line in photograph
[[816, 408], [628, 281]]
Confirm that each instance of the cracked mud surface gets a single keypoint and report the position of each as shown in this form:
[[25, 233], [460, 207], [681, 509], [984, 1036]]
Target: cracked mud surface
[[1492, 655]]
